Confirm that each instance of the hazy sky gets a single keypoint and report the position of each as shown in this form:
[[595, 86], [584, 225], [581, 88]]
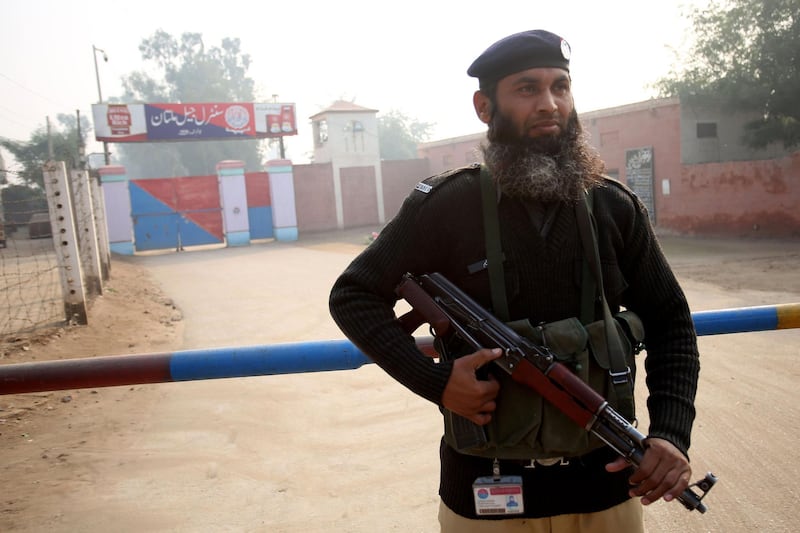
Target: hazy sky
[[408, 56]]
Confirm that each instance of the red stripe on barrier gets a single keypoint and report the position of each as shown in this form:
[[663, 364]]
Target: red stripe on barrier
[[107, 371]]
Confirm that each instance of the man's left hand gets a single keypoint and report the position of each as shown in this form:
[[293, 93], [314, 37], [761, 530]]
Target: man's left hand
[[664, 472]]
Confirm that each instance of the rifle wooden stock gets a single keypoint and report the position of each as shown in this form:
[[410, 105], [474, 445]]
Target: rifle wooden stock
[[424, 310]]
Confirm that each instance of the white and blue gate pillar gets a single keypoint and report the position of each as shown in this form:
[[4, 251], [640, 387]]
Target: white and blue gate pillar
[[117, 202], [233, 196], [284, 212]]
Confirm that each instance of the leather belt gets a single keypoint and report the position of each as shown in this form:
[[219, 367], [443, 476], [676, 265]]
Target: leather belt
[[595, 457], [547, 463]]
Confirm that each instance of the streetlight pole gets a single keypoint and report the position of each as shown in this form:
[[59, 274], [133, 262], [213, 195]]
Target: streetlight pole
[[100, 94]]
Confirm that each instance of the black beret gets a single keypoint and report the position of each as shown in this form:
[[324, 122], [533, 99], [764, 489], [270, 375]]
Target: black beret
[[521, 51]]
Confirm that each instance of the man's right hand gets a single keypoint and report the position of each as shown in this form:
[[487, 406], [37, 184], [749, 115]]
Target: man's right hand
[[468, 396]]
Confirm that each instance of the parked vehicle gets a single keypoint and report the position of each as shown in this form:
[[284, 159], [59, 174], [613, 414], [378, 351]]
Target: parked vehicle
[[39, 226]]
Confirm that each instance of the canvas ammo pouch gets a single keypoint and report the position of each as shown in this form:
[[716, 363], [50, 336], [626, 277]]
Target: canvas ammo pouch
[[524, 425]]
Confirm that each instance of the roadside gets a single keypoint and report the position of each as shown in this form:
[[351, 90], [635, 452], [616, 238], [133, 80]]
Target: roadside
[[340, 451]]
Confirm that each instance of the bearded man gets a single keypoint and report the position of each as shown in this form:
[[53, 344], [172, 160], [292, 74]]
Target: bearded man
[[539, 168]]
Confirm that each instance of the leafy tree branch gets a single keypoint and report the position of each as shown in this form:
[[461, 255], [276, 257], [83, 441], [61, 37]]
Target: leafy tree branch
[[747, 54]]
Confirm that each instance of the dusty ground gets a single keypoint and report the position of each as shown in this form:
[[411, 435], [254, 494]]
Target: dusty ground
[[351, 450]]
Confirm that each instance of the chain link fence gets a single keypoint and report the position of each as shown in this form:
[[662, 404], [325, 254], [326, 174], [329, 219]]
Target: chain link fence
[[30, 291], [42, 233]]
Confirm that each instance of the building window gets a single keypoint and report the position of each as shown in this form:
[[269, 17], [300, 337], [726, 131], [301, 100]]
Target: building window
[[706, 130], [356, 129], [321, 132]]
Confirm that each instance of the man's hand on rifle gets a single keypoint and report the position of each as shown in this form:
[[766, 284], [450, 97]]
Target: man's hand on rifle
[[664, 472], [468, 396]]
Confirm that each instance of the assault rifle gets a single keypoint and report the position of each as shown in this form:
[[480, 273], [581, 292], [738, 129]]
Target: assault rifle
[[449, 310]]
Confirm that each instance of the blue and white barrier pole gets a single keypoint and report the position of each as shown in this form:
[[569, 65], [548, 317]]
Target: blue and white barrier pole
[[291, 358], [744, 319]]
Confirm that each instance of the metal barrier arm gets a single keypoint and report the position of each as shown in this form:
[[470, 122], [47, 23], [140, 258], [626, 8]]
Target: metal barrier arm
[[744, 319], [187, 365], [315, 356]]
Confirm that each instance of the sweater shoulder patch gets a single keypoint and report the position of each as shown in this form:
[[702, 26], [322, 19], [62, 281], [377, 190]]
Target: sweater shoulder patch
[[427, 186]]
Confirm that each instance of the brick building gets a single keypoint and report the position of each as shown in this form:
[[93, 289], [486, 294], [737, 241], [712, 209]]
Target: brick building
[[685, 160]]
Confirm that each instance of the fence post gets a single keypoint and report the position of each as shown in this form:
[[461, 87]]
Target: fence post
[[86, 232], [64, 239], [98, 206]]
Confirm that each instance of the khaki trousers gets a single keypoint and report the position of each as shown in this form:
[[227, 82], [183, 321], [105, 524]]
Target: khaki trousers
[[623, 518]]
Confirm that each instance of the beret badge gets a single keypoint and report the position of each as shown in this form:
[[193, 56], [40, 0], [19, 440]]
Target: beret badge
[[566, 51]]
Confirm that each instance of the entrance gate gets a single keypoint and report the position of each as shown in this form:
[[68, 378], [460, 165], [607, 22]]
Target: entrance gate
[[176, 212]]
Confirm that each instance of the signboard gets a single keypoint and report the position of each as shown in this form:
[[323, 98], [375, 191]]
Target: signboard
[[639, 176], [185, 122]]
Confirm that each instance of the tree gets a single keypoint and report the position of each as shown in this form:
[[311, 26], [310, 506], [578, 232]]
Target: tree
[[33, 154], [747, 53], [189, 73], [399, 135]]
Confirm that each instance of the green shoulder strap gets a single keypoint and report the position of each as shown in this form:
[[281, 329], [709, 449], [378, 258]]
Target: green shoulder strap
[[588, 286], [620, 372], [494, 252]]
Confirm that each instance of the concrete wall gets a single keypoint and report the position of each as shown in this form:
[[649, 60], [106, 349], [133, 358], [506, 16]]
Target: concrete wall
[[314, 197], [359, 196], [693, 192], [756, 196], [745, 198]]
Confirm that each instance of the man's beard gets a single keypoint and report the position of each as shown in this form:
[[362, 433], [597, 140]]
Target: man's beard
[[548, 168]]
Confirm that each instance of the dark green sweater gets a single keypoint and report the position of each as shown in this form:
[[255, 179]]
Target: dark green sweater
[[440, 229]]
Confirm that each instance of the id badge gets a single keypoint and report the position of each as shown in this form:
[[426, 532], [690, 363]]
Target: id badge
[[498, 496]]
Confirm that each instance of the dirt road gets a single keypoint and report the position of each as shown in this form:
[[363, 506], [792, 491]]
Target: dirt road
[[348, 451]]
